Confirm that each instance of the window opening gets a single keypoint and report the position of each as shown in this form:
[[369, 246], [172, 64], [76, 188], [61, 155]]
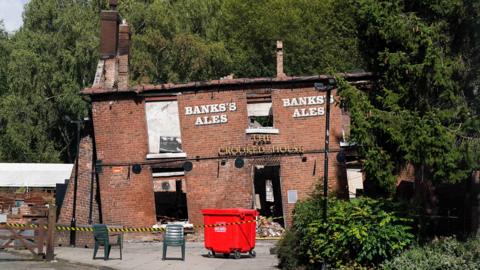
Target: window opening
[[163, 127], [260, 115]]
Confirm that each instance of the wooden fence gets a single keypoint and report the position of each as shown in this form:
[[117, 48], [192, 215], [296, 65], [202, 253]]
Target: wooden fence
[[41, 244]]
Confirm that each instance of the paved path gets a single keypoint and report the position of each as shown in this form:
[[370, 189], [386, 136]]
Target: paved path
[[10, 261], [149, 256]]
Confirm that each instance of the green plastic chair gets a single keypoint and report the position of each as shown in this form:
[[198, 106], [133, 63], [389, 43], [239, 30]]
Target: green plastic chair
[[100, 234], [173, 237]]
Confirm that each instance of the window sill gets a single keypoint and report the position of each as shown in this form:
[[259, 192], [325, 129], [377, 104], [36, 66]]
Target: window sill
[[262, 130], [166, 174], [166, 155], [347, 144]]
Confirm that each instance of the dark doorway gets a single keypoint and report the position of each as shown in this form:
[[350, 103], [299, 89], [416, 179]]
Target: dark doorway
[[171, 204], [268, 192]]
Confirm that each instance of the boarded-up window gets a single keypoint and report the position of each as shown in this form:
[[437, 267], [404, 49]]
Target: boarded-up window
[[260, 115], [163, 127]]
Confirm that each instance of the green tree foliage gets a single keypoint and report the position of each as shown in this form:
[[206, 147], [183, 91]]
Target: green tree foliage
[[317, 35], [358, 233], [172, 41], [424, 101], [4, 54], [184, 40], [52, 57]]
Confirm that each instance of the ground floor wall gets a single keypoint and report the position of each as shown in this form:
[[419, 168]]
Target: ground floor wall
[[127, 198], [219, 184]]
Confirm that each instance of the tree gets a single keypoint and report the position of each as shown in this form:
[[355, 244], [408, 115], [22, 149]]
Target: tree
[[425, 100], [171, 41], [4, 53], [52, 57], [178, 41], [317, 36]]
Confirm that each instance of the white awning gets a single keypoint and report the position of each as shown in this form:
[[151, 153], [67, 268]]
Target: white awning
[[34, 174]]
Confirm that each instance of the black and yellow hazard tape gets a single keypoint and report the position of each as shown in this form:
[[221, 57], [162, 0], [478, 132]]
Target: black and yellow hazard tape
[[224, 224], [128, 230], [22, 226]]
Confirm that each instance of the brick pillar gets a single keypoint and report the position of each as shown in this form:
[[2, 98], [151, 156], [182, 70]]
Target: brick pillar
[[83, 195]]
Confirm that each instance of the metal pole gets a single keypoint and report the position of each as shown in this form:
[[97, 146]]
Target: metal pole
[[73, 222], [327, 150]]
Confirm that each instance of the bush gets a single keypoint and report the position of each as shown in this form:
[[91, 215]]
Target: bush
[[287, 251], [446, 253], [360, 232]]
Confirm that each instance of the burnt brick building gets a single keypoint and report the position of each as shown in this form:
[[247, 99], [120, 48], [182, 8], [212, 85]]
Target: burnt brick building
[[174, 149]]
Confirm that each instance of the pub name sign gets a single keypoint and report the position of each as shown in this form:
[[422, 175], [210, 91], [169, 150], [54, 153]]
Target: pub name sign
[[203, 112], [312, 101]]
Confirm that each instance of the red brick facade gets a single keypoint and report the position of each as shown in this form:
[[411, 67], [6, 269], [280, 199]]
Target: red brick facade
[[121, 138], [121, 141]]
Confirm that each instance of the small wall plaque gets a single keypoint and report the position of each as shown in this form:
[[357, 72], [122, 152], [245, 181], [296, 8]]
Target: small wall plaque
[[292, 196]]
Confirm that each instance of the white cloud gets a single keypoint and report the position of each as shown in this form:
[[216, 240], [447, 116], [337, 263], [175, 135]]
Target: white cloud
[[11, 13]]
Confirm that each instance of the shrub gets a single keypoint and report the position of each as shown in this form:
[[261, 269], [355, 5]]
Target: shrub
[[287, 251], [360, 232], [446, 253]]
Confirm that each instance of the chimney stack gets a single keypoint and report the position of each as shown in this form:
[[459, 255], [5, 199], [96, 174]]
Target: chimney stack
[[280, 72], [109, 33], [112, 71], [123, 55], [112, 4], [124, 39]]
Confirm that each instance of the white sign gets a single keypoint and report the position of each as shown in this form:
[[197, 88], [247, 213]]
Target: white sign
[[306, 101], [220, 229], [209, 109], [292, 196]]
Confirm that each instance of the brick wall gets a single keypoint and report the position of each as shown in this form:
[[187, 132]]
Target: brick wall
[[211, 184], [121, 138], [158, 181], [83, 196]]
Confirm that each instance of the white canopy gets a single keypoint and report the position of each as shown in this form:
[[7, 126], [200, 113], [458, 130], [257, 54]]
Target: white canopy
[[33, 174]]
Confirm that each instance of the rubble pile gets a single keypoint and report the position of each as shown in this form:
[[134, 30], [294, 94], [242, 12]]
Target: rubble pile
[[187, 227], [165, 219], [268, 228]]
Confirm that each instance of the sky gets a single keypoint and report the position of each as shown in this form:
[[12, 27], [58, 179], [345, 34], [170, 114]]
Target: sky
[[11, 13]]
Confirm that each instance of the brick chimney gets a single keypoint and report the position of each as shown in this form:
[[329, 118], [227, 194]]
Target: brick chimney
[[280, 72], [112, 69], [112, 4], [123, 55], [109, 33]]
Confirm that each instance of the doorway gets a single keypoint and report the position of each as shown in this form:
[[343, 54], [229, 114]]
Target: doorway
[[268, 193]]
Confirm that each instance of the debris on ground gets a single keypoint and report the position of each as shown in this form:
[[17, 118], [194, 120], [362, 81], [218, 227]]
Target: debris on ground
[[268, 228], [165, 219], [187, 227]]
